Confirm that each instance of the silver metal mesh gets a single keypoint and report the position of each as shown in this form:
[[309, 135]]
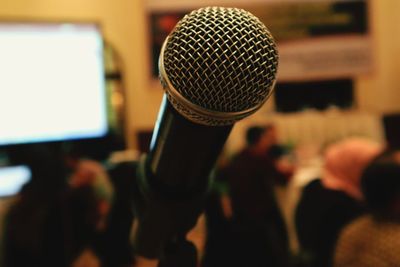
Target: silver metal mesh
[[218, 65]]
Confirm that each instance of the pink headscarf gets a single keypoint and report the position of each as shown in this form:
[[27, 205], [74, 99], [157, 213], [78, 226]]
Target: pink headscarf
[[345, 162]]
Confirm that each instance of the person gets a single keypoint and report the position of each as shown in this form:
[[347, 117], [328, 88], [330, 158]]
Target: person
[[100, 202], [218, 212], [35, 227], [328, 204], [57, 217], [116, 248], [89, 201], [257, 226], [374, 239]]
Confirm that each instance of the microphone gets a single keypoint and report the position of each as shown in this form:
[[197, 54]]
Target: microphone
[[217, 66]]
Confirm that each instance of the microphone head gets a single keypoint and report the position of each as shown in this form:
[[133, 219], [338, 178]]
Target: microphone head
[[218, 65]]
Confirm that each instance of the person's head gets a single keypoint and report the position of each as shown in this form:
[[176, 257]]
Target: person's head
[[45, 162], [380, 184], [91, 179], [345, 161], [261, 136]]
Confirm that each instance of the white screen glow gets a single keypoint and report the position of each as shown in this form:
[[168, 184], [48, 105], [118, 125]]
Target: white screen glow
[[51, 82], [12, 179]]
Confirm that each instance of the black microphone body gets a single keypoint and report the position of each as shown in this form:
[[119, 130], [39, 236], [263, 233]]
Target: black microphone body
[[173, 179], [183, 153], [217, 66]]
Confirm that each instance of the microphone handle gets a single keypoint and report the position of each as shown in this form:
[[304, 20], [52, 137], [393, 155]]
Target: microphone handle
[[172, 182], [183, 153]]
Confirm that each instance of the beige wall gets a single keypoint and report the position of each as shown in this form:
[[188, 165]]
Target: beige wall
[[380, 92], [124, 25]]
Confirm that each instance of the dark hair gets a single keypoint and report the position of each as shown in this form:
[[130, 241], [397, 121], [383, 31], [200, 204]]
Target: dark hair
[[253, 134], [380, 182]]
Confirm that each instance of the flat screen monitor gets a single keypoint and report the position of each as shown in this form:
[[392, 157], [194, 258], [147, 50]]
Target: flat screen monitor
[[52, 82]]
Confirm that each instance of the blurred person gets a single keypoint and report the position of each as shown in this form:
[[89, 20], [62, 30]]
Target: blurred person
[[57, 215], [89, 202], [374, 239], [90, 173], [60, 216], [218, 213], [258, 230], [328, 204], [117, 248], [36, 225], [94, 212]]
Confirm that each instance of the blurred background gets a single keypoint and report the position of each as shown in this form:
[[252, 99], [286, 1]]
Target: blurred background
[[126, 25]]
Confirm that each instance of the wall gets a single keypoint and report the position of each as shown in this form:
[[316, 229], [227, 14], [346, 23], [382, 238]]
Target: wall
[[124, 25], [380, 92]]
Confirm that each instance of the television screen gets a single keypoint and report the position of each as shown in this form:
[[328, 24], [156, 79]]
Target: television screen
[[52, 82]]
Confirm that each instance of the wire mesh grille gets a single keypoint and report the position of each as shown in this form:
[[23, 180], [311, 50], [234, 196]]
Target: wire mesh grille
[[220, 59]]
